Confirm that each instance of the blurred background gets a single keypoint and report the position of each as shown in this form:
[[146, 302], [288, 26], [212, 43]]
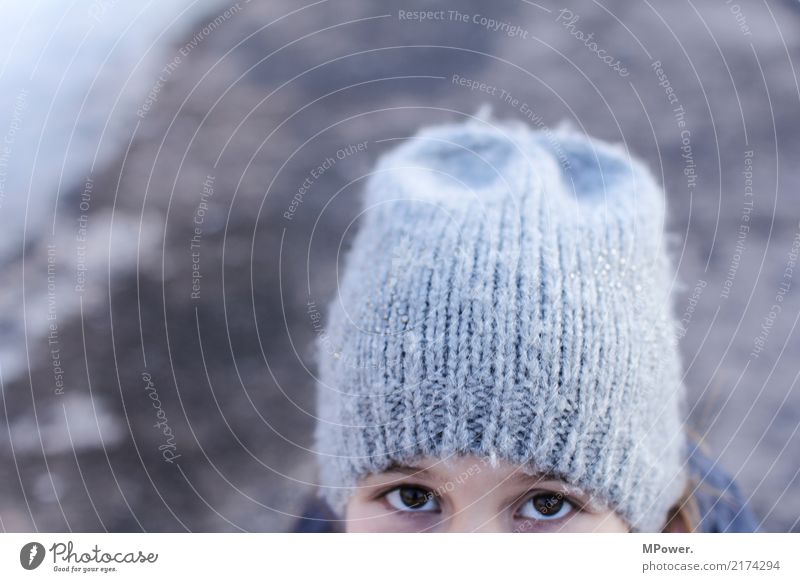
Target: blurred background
[[179, 179]]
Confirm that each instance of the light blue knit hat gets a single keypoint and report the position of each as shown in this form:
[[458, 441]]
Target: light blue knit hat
[[507, 295]]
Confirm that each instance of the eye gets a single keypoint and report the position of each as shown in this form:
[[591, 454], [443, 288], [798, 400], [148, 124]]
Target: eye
[[546, 505], [412, 498]]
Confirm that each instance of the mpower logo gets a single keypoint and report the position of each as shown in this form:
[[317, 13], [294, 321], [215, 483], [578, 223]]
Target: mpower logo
[[31, 555]]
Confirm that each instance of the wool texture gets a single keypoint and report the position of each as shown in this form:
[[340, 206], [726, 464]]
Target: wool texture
[[507, 295]]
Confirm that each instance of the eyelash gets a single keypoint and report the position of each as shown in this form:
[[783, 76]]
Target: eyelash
[[384, 492], [577, 506]]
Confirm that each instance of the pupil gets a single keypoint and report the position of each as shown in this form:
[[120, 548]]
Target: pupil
[[413, 496], [548, 504]]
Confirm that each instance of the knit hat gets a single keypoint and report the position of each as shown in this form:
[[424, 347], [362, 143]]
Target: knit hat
[[507, 295]]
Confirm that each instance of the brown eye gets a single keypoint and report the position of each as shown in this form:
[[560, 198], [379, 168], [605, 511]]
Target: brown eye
[[410, 498], [546, 505]]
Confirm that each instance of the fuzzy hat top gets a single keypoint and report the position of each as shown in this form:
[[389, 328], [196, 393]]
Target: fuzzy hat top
[[507, 295]]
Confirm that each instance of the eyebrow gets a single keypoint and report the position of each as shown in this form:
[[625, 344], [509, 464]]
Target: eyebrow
[[522, 477], [518, 477]]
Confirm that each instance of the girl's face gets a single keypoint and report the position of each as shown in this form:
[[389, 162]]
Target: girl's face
[[467, 494]]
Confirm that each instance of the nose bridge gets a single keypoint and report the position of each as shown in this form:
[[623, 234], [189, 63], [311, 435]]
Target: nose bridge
[[478, 518]]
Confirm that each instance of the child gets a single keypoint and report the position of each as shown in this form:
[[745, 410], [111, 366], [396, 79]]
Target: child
[[501, 354]]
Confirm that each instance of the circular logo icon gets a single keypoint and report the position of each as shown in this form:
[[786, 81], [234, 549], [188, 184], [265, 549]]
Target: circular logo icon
[[31, 555]]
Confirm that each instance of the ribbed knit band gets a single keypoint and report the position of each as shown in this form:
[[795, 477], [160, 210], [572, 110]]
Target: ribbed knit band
[[507, 295]]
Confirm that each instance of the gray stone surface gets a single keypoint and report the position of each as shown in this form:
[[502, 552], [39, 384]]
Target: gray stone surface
[[259, 103]]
